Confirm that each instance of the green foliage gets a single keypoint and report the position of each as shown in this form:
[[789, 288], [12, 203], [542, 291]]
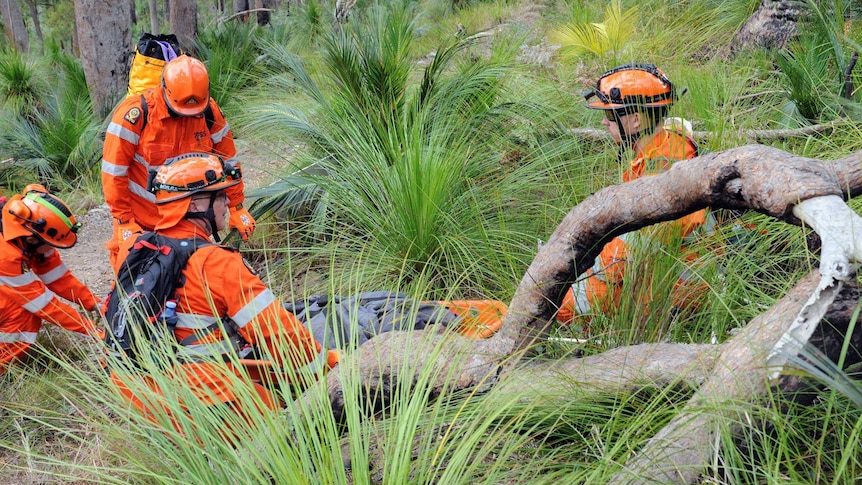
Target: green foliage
[[814, 66], [407, 169], [605, 40], [231, 54], [50, 132]]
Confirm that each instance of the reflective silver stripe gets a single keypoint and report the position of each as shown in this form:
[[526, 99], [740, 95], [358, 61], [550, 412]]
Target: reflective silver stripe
[[141, 192], [11, 338], [598, 270], [579, 291], [50, 252], [195, 322], [219, 135], [143, 162], [18, 281], [123, 132], [253, 308], [207, 351], [114, 169], [53, 275], [39, 302]]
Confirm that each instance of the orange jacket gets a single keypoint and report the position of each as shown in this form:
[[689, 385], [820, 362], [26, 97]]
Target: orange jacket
[[218, 287], [134, 146], [29, 285], [599, 291]]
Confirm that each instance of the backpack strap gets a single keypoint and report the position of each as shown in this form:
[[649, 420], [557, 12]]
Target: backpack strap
[[209, 116], [145, 112]]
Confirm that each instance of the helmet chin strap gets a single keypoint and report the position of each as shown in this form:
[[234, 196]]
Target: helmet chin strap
[[208, 217]]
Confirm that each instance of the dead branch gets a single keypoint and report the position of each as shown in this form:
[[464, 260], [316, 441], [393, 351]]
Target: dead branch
[[753, 177]]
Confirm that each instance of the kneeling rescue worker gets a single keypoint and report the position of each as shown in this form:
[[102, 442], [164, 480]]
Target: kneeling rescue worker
[[34, 225], [222, 307], [635, 99]]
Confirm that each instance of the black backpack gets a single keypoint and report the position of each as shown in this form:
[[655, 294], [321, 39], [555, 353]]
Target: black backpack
[[148, 278]]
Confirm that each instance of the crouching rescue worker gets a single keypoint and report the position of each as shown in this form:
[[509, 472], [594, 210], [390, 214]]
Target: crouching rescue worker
[[34, 225], [176, 117], [222, 308], [635, 99]]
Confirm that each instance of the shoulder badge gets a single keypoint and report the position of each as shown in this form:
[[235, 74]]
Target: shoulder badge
[[133, 115]]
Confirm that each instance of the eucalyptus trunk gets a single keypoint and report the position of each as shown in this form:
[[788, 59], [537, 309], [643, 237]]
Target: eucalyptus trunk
[[184, 23], [154, 16], [13, 22], [104, 40]]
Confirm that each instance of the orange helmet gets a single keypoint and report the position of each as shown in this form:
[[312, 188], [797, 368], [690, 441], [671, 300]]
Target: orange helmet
[[186, 85], [175, 183], [37, 213], [632, 86]]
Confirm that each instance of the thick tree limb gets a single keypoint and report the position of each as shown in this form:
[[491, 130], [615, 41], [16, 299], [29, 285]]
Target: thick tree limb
[[753, 177]]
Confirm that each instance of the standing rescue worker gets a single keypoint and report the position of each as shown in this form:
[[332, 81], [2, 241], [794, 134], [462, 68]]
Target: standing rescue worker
[[221, 306], [149, 130], [635, 99], [34, 225]]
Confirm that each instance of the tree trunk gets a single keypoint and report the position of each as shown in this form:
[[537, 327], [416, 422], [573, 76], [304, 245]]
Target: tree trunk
[[154, 16], [184, 23], [37, 26], [263, 11], [105, 40], [788, 187], [770, 27], [13, 22], [240, 6]]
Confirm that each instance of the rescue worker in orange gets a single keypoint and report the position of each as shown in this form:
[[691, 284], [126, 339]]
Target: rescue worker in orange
[[635, 99], [149, 130], [223, 308], [34, 225]]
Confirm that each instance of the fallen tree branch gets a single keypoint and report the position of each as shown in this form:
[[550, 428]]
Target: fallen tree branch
[[753, 177]]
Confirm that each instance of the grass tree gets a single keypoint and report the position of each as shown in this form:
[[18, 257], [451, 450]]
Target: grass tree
[[401, 166], [51, 133]]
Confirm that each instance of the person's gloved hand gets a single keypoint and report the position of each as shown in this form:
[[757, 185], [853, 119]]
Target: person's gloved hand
[[242, 221], [125, 229]]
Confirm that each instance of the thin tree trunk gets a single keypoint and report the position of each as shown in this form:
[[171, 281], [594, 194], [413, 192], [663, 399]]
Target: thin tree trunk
[[104, 36], [13, 22], [184, 23], [37, 26], [240, 6], [154, 16], [264, 8]]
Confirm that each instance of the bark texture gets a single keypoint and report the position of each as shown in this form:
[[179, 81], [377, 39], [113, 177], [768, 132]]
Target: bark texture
[[13, 22], [184, 23], [105, 41], [754, 177], [770, 27]]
